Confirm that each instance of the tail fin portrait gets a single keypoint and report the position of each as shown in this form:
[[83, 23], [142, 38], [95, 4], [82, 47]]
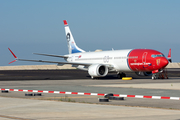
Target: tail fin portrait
[[72, 47]]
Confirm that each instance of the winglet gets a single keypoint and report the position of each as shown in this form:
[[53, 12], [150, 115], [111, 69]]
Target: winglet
[[65, 22], [169, 55], [12, 61], [13, 55]]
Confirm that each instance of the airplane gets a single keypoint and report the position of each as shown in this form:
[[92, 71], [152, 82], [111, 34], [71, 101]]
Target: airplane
[[144, 62]]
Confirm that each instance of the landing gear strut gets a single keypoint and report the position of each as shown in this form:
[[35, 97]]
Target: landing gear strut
[[121, 75], [154, 76]]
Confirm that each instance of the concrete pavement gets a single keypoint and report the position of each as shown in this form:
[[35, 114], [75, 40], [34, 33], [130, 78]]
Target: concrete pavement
[[170, 86], [26, 109]]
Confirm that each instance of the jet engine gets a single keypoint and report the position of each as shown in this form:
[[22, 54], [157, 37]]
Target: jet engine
[[97, 70], [143, 73]]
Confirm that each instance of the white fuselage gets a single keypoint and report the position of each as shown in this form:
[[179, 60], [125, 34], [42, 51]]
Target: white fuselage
[[116, 58]]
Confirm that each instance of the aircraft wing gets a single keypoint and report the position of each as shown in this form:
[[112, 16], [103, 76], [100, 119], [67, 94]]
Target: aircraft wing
[[72, 63], [51, 55], [60, 63]]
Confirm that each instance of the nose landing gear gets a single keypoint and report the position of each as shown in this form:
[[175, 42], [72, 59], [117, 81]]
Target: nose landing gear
[[154, 76], [162, 74]]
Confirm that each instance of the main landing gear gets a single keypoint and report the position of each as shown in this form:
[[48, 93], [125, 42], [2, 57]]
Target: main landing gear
[[121, 75]]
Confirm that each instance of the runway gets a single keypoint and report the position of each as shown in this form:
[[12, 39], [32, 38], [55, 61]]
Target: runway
[[79, 81]]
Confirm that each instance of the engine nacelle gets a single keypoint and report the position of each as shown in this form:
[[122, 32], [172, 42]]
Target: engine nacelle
[[143, 73], [98, 70]]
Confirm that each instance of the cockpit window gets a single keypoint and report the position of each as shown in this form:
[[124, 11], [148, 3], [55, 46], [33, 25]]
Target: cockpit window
[[160, 55]]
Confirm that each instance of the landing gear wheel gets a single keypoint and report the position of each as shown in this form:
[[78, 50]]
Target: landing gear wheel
[[154, 76], [121, 75]]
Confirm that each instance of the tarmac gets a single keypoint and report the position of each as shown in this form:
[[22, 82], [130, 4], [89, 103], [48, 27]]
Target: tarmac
[[170, 86], [17, 106]]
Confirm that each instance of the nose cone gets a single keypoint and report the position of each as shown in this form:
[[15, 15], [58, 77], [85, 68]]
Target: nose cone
[[164, 62]]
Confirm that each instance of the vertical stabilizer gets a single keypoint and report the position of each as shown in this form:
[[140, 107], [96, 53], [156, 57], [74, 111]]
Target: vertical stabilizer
[[73, 48]]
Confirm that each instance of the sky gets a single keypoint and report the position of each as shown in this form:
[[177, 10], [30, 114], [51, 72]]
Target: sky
[[36, 26]]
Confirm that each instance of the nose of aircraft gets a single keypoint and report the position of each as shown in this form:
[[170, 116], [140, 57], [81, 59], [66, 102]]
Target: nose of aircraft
[[164, 62]]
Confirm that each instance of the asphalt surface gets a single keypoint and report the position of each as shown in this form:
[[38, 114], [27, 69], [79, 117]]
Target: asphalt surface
[[79, 81], [66, 75]]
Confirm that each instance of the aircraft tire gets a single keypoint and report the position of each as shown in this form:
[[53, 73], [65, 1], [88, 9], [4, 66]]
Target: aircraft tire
[[123, 74], [119, 76], [103, 100], [153, 77]]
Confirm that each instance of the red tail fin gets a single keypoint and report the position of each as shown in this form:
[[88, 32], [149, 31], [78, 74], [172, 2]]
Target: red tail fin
[[65, 22]]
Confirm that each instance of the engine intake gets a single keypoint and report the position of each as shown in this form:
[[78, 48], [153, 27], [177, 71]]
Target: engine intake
[[98, 70]]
